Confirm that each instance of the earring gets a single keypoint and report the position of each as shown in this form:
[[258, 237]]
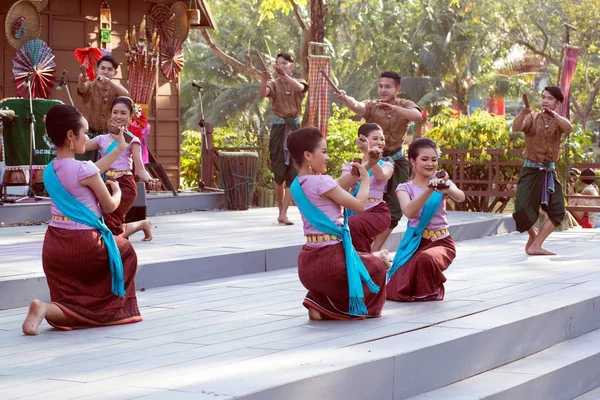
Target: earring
[[310, 171], [71, 145]]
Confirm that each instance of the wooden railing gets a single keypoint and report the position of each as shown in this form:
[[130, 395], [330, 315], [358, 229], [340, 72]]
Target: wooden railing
[[490, 187]]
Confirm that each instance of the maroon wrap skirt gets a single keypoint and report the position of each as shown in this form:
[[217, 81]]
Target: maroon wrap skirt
[[322, 270], [422, 277], [78, 274], [116, 219], [364, 227]]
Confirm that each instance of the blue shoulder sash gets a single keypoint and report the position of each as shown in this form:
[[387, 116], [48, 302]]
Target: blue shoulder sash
[[356, 270]]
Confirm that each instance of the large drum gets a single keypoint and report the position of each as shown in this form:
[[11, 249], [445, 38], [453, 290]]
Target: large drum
[[238, 177], [15, 136]]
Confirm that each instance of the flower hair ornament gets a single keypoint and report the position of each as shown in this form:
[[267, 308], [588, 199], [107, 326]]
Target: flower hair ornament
[[137, 110]]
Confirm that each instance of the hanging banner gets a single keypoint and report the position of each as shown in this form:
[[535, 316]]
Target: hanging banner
[[319, 93], [569, 64]]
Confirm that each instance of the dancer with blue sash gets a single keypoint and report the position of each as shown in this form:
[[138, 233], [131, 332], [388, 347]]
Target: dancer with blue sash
[[427, 249], [538, 185], [376, 218], [122, 170], [286, 94], [90, 272], [342, 284]]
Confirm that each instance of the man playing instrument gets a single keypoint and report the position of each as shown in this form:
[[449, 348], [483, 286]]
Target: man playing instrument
[[98, 96], [394, 115], [538, 184], [286, 94]]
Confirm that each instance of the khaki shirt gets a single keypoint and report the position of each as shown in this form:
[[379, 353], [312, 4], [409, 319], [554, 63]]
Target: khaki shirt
[[394, 127], [542, 137], [283, 104], [97, 104]]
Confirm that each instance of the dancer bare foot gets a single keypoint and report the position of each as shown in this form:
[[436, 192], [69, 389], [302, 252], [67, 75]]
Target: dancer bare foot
[[35, 316], [535, 250], [284, 220], [384, 255], [147, 228], [315, 315], [531, 239]]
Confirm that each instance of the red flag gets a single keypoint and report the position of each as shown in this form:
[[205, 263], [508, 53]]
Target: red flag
[[569, 64]]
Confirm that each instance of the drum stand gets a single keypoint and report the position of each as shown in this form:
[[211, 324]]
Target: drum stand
[[30, 193], [203, 136]]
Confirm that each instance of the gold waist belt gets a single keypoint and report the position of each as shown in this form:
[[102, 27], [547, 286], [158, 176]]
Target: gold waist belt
[[432, 235], [60, 218], [321, 238], [110, 172], [372, 200]]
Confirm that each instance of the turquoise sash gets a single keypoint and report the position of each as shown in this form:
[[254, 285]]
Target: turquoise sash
[[76, 211], [355, 269], [412, 237]]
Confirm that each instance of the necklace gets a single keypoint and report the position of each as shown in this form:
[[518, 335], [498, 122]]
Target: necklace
[[286, 88], [546, 121]]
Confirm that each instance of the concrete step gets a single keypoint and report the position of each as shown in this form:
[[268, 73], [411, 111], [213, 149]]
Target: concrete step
[[249, 337], [157, 203], [591, 395], [561, 372], [416, 362]]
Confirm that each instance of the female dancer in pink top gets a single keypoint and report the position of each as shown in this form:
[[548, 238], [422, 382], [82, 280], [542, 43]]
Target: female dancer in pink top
[[375, 219], [421, 278], [74, 256], [322, 261], [121, 170]]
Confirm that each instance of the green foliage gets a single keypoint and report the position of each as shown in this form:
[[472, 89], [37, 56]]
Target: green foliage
[[268, 8], [481, 130], [190, 160], [342, 132]]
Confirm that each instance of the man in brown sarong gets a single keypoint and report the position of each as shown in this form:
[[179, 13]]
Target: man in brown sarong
[[538, 184], [286, 94], [394, 115], [97, 97]]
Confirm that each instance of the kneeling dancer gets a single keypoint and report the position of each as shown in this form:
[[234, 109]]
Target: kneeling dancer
[[342, 284], [90, 272], [427, 248]]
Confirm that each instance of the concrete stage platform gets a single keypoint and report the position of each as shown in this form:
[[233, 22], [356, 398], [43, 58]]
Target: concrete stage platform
[[198, 246], [31, 211], [511, 327]]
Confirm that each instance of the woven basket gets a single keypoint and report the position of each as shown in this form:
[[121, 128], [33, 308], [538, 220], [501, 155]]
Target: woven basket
[[40, 4], [33, 23]]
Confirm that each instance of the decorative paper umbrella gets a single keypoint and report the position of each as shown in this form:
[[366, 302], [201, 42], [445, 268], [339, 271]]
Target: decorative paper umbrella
[[161, 20], [88, 57], [171, 58], [36, 61]]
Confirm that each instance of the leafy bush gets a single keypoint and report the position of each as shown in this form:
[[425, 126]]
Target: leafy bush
[[341, 139], [190, 160]]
